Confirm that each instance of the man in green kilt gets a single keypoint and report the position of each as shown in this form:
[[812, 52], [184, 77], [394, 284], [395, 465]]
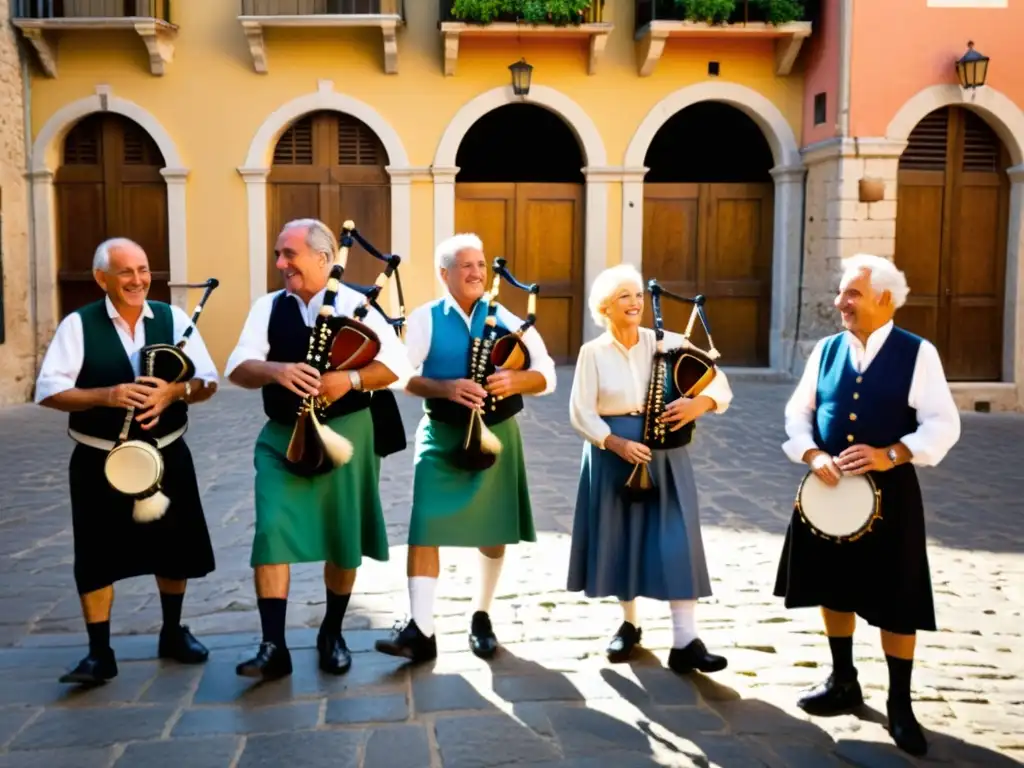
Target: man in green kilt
[[334, 516], [92, 371], [454, 506]]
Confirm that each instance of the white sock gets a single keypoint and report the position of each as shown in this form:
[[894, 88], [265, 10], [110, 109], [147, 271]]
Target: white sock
[[490, 570], [684, 623], [421, 602], [629, 611]]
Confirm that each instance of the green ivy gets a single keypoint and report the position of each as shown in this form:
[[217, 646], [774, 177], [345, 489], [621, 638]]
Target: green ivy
[[780, 11], [531, 11], [723, 11], [707, 11]]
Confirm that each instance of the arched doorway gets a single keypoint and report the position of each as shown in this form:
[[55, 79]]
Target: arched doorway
[[330, 166], [708, 223], [520, 188], [108, 185], [952, 214]]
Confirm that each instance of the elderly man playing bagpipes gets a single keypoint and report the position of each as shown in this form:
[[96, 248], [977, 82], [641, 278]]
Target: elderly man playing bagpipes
[[317, 354], [119, 368], [476, 361], [872, 403]]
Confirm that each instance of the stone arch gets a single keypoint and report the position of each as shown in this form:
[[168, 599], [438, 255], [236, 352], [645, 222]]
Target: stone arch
[[43, 164], [258, 160], [788, 175]]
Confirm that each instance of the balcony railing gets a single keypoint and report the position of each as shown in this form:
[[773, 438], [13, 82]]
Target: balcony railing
[[91, 9], [745, 12], [323, 8], [594, 14]]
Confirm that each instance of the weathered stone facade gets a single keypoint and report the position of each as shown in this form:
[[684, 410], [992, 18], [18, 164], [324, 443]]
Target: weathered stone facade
[[17, 353]]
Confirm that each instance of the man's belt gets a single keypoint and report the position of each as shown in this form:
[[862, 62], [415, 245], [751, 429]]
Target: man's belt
[[108, 445]]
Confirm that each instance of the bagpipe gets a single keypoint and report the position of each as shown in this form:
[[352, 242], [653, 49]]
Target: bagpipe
[[489, 352], [683, 371], [336, 343], [136, 467]]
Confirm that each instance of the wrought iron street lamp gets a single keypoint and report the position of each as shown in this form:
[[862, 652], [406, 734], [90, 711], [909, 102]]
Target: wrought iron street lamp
[[521, 74], [971, 68]]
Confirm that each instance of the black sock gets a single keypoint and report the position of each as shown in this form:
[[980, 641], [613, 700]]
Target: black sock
[[335, 614], [899, 679], [99, 637], [272, 613], [842, 657], [171, 605]]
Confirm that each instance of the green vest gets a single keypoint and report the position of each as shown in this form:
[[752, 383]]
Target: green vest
[[106, 365]]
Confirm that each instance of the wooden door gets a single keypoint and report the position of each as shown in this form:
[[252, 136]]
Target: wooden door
[[538, 228], [109, 185], [715, 240], [330, 166], [951, 225]]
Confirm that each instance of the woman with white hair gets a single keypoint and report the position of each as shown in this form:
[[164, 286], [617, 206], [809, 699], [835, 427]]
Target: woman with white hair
[[651, 548]]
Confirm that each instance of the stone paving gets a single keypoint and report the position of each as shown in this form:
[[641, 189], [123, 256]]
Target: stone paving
[[550, 698]]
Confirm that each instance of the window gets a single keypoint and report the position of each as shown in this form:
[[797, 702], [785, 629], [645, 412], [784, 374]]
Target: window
[[819, 108], [967, 3]]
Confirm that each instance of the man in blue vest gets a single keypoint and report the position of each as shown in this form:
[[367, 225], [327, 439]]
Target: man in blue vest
[[92, 371], [873, 400], [455, 506]]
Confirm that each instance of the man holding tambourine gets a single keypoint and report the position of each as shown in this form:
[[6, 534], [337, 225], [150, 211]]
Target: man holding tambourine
[[872, 403], [92, 370]]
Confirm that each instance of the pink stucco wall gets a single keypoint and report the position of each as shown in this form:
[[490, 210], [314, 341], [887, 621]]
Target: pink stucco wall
[[822, 73], [902, 46]]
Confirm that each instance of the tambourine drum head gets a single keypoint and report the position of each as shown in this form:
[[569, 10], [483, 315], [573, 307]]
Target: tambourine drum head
[[134, 467], [693, 371], [839, 511], [354, 346], [510, 353], [169, 363]]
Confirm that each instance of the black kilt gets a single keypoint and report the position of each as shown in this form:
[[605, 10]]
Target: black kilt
[[883, 577], [110, 545]]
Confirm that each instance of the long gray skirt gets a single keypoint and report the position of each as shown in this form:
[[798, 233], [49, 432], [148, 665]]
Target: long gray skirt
[[649, 549]]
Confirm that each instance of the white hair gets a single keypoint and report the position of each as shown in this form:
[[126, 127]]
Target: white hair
[[605, 286], [447, 250], [319, 237], [101, 258], [884, 275]]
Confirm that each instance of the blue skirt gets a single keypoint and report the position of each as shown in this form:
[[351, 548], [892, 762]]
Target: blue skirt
[[648, 549]]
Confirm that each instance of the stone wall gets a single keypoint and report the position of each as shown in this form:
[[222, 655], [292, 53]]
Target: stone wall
[[17, 357]]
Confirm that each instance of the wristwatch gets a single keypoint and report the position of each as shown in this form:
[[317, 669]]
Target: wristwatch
[[356, 380], [891, 453], [188, 391]]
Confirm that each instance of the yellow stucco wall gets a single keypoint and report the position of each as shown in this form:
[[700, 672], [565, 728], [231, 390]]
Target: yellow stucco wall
[[212, 103]]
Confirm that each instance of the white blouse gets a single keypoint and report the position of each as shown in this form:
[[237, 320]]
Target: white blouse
[[612, 380]]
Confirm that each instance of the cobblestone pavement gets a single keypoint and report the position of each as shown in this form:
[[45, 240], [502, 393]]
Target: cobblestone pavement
[[550, 698]]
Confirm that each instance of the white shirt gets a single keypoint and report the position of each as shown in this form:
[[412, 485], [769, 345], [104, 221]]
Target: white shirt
[[420, 330], [66, 353], [254, 343], [937, 414], [612, 380]]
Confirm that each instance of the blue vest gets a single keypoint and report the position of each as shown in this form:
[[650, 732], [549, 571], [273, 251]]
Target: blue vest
[[869, 407], [448, 358]]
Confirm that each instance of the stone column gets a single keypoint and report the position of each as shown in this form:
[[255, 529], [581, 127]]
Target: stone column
[[177, 233], [45, 234], [786, 245], [256, 194], [1013, 316]]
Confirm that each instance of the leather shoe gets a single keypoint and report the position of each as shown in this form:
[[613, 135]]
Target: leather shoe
[[179, 644], [905, 730], [270, 663], [409, 643], [833, 697], [334, 655], [94, 669], [622, 644], [695, 656], [482, 640]]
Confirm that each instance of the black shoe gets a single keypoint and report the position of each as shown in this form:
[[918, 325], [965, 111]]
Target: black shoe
[[179, 644], [270, 663], [334, 655], [695, 656], [409, 643], [622, 644], [905, 730], [833, 697], [94, 669], [482, 640]]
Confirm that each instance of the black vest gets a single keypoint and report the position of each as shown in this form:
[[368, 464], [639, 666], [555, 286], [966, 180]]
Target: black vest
[[288, 335]]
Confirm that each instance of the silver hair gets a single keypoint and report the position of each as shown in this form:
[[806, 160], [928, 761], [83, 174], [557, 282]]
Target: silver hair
[[447, 250], [885, 276], [605, 286], [319, 237], [101, 258]]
